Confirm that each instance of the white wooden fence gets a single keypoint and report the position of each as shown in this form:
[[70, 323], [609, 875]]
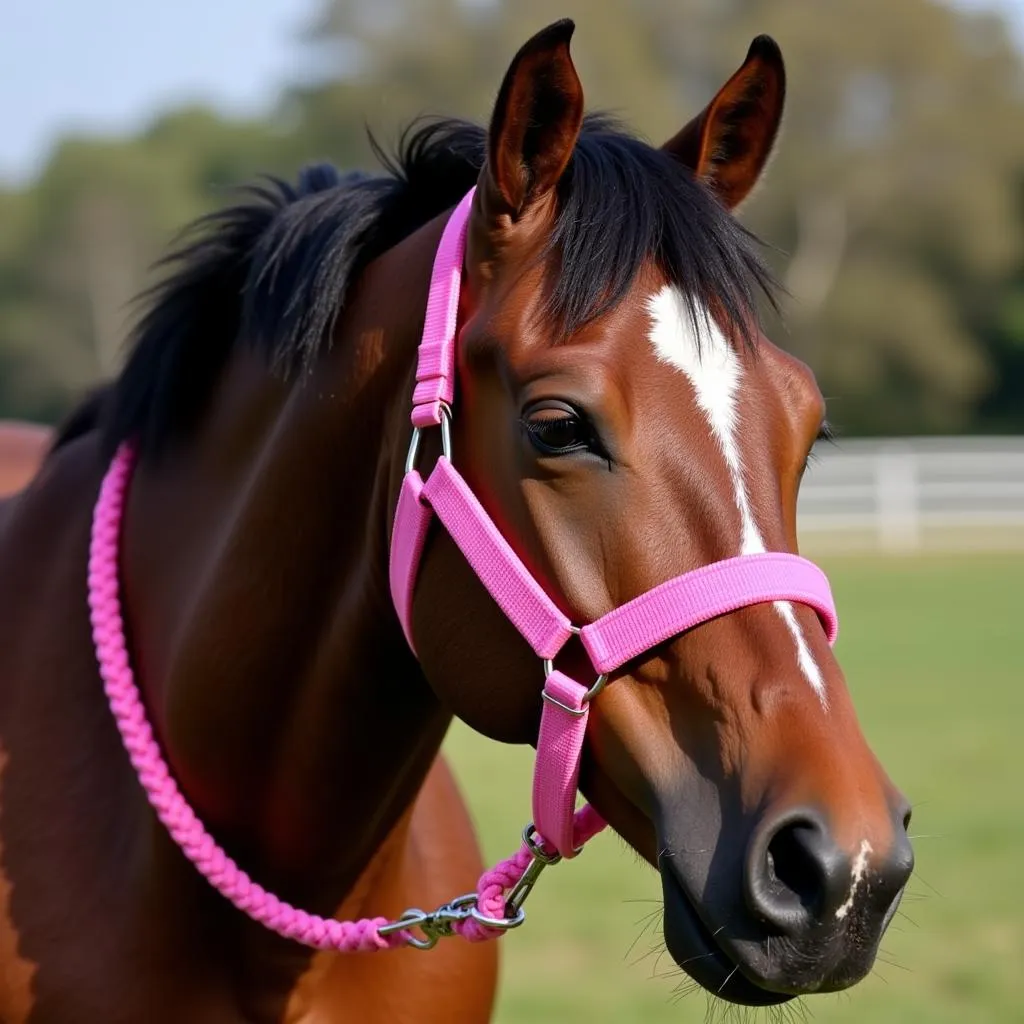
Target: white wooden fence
[[914, 494]]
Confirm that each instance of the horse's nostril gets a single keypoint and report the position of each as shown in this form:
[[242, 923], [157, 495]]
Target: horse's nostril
[[792, 865], [795, 872], [908, 813]]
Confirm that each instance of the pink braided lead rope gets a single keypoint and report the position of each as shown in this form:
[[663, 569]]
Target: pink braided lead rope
[[180, 820]]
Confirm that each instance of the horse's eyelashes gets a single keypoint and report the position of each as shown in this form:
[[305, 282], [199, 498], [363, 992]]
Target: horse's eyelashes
[[559, 435], [556, 428]]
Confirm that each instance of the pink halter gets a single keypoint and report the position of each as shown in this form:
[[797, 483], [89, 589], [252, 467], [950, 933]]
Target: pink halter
[[616, 638], [610, 642]]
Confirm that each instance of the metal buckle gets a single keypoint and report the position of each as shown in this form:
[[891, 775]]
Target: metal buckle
[[446, 439], [576, 713]]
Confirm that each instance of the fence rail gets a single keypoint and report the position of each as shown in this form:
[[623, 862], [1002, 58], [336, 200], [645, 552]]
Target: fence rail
[[913, 494]]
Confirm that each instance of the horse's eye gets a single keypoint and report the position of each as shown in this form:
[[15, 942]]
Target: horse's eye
[[556, 428]]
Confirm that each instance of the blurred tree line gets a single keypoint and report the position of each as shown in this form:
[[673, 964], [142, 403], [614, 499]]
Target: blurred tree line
[[894, 206]]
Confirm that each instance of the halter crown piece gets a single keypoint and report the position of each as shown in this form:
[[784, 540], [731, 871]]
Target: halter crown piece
[[558, 829]]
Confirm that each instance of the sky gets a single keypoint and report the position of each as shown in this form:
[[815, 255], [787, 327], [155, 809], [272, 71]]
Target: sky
[[108, 66]]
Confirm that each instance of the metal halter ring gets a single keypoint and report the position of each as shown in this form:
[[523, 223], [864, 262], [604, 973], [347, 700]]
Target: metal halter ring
[[446, 438], [599, 685], [531, 840]]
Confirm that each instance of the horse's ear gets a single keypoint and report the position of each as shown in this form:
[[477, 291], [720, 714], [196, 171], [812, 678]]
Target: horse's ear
[[535, 124], [728, 144]]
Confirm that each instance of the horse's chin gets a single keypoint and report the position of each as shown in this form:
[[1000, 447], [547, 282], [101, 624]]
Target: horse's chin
[[693, 947]]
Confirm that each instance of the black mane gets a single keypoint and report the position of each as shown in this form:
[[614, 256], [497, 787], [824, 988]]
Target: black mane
[[273, 271]]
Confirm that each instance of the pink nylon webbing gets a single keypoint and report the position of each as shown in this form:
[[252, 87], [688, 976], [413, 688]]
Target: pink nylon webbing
[[412, 520], [695, 597], [499, 568], [556, 772], [435, 370]]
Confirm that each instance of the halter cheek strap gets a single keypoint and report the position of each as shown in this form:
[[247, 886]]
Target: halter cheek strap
[[616, 638]]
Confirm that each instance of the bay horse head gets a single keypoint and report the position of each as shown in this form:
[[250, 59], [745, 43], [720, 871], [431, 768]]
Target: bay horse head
[[623, 420]]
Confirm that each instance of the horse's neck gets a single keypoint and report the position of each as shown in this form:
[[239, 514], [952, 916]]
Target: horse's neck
[[256, 579]]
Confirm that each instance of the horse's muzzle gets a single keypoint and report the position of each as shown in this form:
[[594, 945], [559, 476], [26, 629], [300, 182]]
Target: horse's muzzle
[[808, 915]]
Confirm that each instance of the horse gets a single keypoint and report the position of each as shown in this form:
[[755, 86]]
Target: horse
[[215, 538], [22, 448]]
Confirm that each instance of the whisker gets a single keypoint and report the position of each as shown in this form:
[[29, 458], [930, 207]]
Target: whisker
[[728, 978], [893, 964], [800, 1007], [694, 959], [909, 894], [917, 877], [668, 975], [648, 917], [651, 915], [710, 1010], [655, 948], [685, 988], [887, 958], [646, 922], [655, 971]]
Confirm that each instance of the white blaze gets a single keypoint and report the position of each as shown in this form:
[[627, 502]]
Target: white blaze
[[714, 370]]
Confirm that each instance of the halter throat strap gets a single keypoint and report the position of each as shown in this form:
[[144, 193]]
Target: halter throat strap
[[624, 633]]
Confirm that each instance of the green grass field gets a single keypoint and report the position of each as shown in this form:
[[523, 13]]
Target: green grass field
[[932, 652]]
